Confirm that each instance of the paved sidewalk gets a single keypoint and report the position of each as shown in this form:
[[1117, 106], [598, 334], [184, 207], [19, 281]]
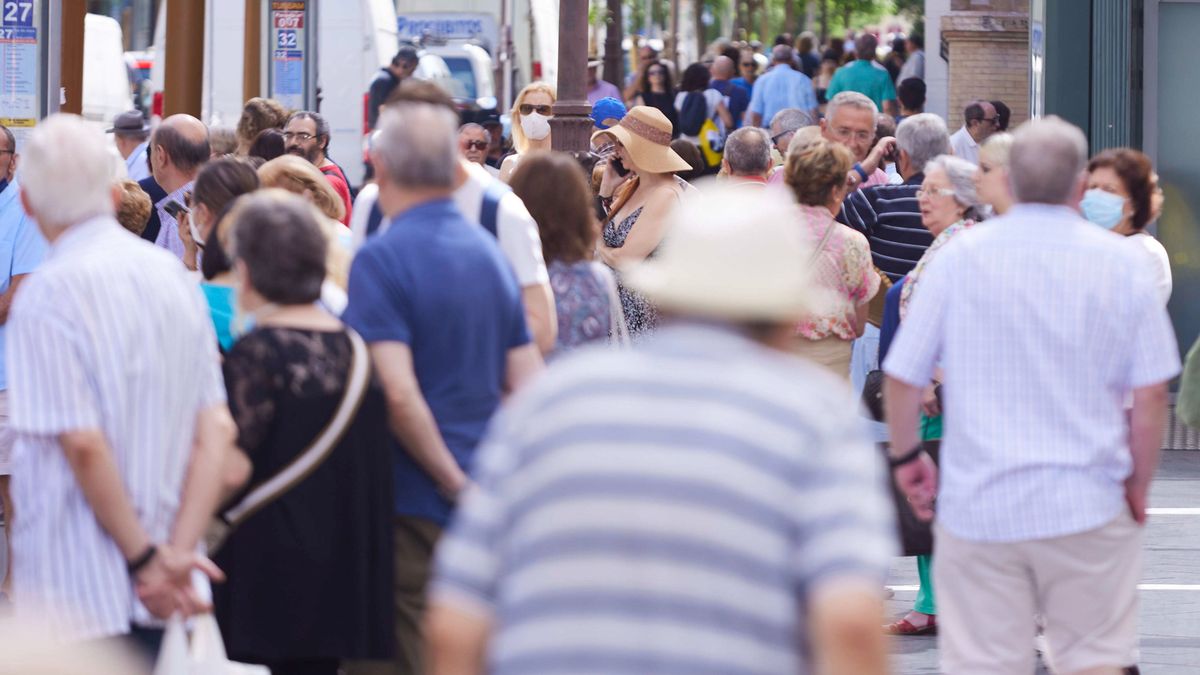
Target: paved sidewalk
[[1170, 607]]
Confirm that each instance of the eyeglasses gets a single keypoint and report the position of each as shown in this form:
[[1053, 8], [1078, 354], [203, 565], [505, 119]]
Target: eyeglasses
[[923, 192], [529, 109], [659, 72], [989, 120], [297, 136], [605, 151], [747, 64], [775, 139], [9, 152], [843, 134], [476, 145]]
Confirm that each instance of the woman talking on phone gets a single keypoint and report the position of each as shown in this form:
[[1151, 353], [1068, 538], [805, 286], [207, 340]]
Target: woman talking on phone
[[639, 190], [531, 114]]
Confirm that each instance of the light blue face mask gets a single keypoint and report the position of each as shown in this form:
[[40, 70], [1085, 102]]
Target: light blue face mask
[[1103, 208]]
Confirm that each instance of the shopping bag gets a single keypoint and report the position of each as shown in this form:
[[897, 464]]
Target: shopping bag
[[205, 655]]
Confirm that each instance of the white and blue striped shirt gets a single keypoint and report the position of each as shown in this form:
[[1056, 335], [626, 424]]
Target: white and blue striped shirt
[[1043, 323], [109, 333], [667, 511]]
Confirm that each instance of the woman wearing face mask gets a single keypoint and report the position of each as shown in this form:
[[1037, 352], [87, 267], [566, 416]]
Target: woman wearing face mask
[[218, 184], [305, 571], [1120, 197], [637, 207], [531, 114]]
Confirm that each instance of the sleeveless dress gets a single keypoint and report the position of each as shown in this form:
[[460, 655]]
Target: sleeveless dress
[[640, 315], [581, 300]]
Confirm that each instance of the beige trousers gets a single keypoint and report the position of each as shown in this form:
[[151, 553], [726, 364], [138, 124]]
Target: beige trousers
[[831, 352], [1083, 585]]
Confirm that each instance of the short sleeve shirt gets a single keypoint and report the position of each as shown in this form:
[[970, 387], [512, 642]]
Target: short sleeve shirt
[[862, 76], [21, 249], [438, 283], [843, 269]]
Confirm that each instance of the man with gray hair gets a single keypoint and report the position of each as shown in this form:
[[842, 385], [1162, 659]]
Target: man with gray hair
[[780, 87], [889, 215], [439, 306], [120, 448], [785, 124], [851, 119], [1045, 470], [747, 156], [473, 144]]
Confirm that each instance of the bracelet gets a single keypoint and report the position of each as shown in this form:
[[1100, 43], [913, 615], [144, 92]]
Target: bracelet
[[137, 564], [897, 462], [861, 172]]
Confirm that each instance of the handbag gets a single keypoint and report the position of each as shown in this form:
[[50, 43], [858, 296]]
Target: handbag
[[307, 461], [1187, 404], [206, 654], [877, 303]]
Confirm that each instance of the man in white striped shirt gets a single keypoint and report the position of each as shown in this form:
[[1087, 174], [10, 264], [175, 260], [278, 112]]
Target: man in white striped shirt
[[1044, 326], [707, 504], [117, 405]]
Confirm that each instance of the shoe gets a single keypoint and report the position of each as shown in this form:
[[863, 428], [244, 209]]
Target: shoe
[[903, 627]]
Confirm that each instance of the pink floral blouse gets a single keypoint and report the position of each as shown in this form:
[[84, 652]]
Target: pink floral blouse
[[842, 269]]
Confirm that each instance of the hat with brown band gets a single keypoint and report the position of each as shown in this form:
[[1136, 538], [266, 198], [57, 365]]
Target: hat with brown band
[[646, 134]]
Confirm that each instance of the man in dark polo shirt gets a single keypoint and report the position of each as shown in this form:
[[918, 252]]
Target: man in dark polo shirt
[[888, 214]]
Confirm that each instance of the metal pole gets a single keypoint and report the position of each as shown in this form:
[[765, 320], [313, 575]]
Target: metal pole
[[501, 56], [184, 73], [572, 127]]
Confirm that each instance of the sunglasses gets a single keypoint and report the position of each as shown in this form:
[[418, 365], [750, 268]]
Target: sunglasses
[[476, 145], [652, 73], [528, 109], [747, 64]]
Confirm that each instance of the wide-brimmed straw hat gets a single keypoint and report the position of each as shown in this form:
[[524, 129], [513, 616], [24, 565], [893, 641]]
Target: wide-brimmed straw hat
[[735, 253], [646, 134]]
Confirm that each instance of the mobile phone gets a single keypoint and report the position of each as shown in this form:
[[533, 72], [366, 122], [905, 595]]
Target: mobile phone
[[619, 167], [174, 209]]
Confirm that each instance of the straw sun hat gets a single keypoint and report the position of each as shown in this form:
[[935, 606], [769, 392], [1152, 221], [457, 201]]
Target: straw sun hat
[[734, 253], [646, 134]]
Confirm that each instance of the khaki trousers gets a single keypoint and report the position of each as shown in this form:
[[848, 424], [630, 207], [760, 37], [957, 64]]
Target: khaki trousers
[[1083, 585], [413, 542]]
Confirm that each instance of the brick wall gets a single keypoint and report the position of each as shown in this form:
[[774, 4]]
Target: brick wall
[[988, 44]]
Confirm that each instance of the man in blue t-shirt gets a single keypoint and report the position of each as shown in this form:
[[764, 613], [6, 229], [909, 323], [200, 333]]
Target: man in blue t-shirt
[[439, 306], [736, 98]]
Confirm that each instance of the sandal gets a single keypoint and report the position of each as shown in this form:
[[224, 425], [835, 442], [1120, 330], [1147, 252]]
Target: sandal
[[903, 627]]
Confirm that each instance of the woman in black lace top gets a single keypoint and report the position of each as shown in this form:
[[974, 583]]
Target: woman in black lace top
[[310, 574]]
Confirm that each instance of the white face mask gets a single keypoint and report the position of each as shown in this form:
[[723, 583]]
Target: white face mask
[[195, 232], [536, 126]]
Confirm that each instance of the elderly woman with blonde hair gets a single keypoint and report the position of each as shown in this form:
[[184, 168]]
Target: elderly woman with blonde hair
[[298, 176]]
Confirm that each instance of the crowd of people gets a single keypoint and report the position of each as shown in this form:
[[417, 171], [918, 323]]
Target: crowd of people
[[553, 412]]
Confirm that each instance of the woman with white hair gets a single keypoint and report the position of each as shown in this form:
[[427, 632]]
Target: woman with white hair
[[949, 205]]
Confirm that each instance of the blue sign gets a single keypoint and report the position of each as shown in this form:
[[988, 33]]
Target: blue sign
[[286, 40], [17, 13]]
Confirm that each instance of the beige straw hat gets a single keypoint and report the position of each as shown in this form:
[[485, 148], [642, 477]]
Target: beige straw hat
[[646, 134], [735, 253]]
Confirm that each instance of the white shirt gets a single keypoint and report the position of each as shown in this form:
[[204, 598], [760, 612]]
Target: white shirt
[[914, 66], [1156, 260], [1043, 324], [516, 230], [112, 334], [964, 146]]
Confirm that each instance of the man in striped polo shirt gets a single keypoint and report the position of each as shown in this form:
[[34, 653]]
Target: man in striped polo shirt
[[888, 214], [706, 504]]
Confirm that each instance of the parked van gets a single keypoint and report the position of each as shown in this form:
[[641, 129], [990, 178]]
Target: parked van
[[106, 86], [471, 67]]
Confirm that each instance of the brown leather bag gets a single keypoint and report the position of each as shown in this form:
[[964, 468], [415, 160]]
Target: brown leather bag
[[875, 308]]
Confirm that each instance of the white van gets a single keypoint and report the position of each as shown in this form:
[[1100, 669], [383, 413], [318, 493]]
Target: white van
[[106, 88]]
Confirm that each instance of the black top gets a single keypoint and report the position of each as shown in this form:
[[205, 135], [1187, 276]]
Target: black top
[[890, 218], [156, 194], [310, 574], [665, 102], [381, 87]]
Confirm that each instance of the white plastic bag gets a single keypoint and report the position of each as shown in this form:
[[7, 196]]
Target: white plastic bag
[[206, 656]]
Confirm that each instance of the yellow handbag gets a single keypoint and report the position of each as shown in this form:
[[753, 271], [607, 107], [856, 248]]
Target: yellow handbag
[[712, 143]]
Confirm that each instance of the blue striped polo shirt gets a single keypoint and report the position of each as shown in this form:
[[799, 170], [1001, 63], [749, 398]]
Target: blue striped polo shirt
[[667, 510], [891, 220]]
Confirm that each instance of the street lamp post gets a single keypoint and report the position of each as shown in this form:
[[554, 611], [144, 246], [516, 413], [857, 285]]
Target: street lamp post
[[572, 126]]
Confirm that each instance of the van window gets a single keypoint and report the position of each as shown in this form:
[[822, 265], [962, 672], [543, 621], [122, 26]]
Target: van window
[[461, 70]]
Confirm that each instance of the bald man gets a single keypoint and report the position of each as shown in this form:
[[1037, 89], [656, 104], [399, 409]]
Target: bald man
[[178, 150], [737, 100]]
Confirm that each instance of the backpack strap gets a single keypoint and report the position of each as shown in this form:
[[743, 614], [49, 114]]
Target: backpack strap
[[489, 211]]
